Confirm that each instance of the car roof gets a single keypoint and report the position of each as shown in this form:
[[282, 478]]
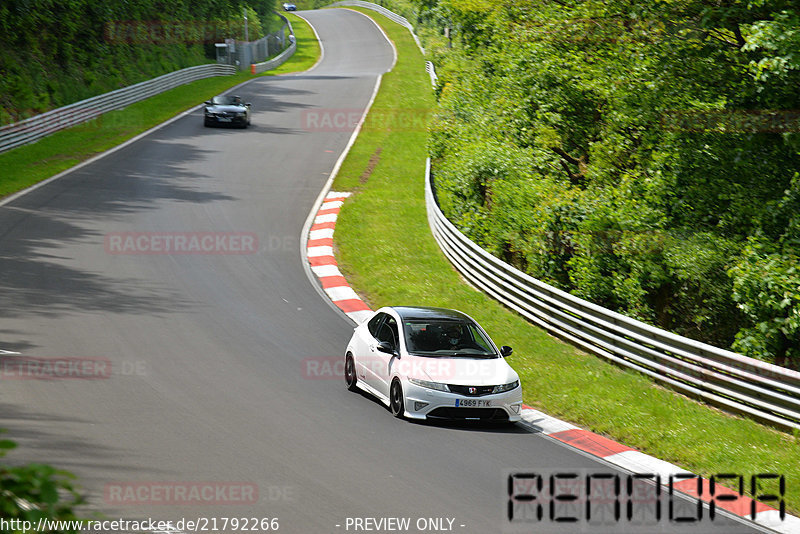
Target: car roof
[[429, 313]]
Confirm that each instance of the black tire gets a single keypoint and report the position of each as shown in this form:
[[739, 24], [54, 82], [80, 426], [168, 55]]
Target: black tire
[[350, 377], [396, 404]]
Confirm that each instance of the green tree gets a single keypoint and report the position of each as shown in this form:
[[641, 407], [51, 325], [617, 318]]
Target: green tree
[[627, 151], [767, 288]]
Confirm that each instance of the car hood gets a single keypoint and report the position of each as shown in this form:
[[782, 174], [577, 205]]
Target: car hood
[[458, 371], [225, 109]]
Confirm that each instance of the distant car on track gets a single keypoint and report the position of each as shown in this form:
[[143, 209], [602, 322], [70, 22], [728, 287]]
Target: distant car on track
[[289, 7], [432, 363], [227, 111]]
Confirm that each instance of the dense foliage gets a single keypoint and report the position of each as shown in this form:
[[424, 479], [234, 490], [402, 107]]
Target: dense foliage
[[641, 154], [35, 491], [60, 51]]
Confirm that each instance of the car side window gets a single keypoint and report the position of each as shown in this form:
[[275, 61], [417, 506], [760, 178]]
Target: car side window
[[374, 324], [388, 331]]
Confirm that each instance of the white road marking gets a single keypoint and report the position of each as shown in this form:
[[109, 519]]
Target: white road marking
[[325, 233], [326, 270], [341, 293], [315, 252]]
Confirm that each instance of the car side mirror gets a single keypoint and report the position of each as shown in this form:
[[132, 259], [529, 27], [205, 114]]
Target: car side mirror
[[505, 351], [248, 104], [207, 102], [385, 346]]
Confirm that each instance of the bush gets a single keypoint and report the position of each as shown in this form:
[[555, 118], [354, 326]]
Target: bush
[[36, 491]]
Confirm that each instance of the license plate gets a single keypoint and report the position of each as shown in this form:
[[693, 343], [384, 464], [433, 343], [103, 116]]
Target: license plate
[[473, 403], [224, 119]]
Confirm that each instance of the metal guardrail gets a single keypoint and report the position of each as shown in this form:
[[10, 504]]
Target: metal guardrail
[[258, 68], [431, 70], [35, 128], [256, 52], [391, 15], [766, 392]]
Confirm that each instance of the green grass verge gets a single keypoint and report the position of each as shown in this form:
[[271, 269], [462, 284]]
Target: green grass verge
[[386, 251], [307, 52], [29, 164]]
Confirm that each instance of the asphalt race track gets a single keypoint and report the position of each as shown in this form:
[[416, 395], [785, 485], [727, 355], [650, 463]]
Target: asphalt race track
[[209, 352]]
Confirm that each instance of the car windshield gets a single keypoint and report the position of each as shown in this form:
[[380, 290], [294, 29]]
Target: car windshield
[[226, 101], [442, 337]]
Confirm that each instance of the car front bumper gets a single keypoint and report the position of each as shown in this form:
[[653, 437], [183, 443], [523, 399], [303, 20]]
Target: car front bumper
[[226, 120], [424, 403]]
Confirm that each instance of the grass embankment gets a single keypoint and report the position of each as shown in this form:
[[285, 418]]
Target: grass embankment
[[29, 164], [386, 251]]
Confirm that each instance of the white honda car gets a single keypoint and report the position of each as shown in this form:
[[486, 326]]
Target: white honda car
[[432, 363]]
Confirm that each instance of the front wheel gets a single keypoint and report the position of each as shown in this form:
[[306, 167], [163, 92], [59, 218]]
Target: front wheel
[[350, 373], [396, 399]]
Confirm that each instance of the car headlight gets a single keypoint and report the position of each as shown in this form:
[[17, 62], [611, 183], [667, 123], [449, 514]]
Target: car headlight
[[430, 385], [506, 387]]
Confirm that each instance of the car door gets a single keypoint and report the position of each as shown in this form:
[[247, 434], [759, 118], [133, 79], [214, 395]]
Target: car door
[[366, 359], [389, 333]]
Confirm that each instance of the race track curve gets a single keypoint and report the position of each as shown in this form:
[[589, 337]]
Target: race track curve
[[209, 352]]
